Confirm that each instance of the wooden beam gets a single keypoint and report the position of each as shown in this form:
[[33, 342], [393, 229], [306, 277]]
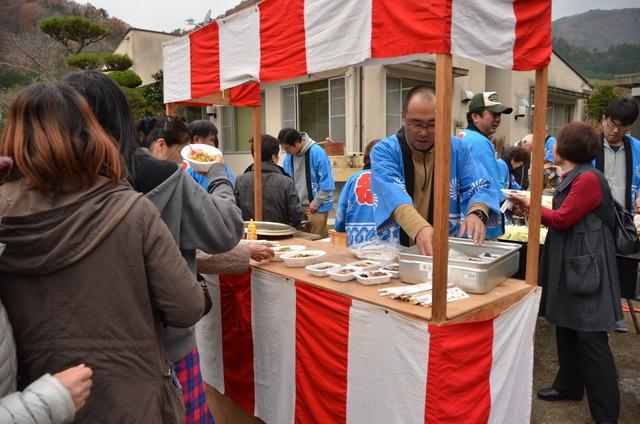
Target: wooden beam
[[537, 165], [170, 109], [257, 165], [444, 83]]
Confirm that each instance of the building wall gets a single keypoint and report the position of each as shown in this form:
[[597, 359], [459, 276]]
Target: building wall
[[145, 48]]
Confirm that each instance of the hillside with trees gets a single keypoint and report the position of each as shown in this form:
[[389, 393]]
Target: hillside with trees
[[600, 43]]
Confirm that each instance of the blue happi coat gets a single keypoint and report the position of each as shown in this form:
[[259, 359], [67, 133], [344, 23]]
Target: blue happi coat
[[506, 179], [354, 214], [632, 145], [321, 178], [469, 184], [204, 181], [483, 152], [548, 149]]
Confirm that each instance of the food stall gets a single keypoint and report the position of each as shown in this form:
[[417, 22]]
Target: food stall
[[295, 347]]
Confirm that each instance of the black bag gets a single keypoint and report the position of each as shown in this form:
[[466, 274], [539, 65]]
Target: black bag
[[625, 232]]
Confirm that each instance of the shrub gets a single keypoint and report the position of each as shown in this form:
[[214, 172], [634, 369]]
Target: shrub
[[84, 60], [116, 62], [126, 78]]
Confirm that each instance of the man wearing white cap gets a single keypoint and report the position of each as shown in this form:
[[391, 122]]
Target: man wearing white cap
[[483, 118]]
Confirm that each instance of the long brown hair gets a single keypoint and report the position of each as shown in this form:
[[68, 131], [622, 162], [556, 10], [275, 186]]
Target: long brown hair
[[53, 137]]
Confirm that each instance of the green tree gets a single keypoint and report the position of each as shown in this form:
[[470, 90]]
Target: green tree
[[73, 32], [84, 60], [598, 100], [126, 78], [154, 95], [116, 62]]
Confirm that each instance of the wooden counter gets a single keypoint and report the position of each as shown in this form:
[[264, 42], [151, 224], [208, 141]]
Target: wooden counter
[[477, 307]]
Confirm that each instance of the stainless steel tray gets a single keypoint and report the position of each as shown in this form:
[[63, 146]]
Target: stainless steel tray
[[476, 275], [264, 228]]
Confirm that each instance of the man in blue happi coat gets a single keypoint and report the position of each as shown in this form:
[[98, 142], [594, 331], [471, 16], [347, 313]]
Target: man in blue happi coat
[[483, 119], [307, 163], [402, 180]]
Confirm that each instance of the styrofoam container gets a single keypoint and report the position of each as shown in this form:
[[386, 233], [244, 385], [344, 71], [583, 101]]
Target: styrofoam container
[[365, 265], [188, 150], [281, 250], [321, 269], [293, 259], [337, 275], [369, 278], [392, 268]]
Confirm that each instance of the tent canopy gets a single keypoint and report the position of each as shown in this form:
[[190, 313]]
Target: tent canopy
[[282, 39]]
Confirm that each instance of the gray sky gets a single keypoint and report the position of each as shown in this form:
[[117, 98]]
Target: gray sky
[[167, 15]]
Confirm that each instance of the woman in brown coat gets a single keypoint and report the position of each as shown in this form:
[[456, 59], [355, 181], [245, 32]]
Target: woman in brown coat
[[90, 273]]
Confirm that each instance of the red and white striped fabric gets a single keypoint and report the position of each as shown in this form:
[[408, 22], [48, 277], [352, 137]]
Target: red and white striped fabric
[[293, 353], [282, 39]]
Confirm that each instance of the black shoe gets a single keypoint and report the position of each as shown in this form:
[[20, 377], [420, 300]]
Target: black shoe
[[552, 394]]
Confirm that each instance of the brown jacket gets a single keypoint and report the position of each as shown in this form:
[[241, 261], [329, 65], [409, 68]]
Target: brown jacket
[[90, 278]]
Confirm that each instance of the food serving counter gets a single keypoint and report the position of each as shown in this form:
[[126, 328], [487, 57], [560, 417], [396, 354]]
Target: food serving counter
[[299, 348]]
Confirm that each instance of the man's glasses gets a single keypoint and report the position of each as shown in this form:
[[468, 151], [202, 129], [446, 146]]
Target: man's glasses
[[614, 126], [421, 127]]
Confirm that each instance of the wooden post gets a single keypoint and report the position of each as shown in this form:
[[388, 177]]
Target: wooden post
[[257, 165], [170, 109], [444, 83], [540, 117]]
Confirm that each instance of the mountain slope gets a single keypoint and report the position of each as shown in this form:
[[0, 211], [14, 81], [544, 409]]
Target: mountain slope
[[599, 29]]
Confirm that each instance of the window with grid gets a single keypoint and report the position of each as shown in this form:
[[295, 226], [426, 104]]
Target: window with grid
[[317, 108], [396, 91], [558, 114], [237, 126]]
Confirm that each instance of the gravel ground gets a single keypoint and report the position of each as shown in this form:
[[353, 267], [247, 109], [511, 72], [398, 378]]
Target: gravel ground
[[626, 351]]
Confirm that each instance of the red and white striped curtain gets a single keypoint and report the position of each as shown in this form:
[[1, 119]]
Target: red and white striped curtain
[[282, 39], [289, 353]]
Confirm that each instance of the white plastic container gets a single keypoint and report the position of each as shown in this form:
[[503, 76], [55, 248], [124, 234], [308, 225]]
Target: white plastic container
[[369, 278], [365, 264], [281, 250], [189, 149], [321, 269], [302, 258], [392, 268], [343, 274]]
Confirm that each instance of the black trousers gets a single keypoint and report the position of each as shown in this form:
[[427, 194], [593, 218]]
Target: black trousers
[[586, 362]]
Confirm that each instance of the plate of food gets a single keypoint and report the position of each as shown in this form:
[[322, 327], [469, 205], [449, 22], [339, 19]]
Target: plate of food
[[200, 156], [321, 269], [508, 192], [369, 278], [281, 250], [343, 274], [302, 258]]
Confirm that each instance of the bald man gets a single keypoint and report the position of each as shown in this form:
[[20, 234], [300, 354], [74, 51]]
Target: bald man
[[402, 181]]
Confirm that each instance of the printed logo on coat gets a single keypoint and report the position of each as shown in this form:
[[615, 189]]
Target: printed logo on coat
[[363, 189], [461, 134]]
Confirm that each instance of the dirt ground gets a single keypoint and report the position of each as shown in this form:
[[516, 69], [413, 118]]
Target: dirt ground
[[626, 351]]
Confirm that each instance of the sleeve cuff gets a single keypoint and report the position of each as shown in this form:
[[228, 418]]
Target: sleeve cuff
[[479, 207], [410, 220]]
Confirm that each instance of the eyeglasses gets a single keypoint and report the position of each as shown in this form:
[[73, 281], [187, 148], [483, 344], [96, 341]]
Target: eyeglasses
[[421, 127], [619, 127]]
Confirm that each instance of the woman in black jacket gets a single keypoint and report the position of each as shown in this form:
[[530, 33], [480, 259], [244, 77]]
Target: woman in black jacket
[[579, 275]]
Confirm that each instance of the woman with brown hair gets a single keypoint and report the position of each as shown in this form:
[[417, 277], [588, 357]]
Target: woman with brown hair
[[90, 273], [579, 275]]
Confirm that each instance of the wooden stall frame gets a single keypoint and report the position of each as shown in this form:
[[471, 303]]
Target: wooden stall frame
[[444, 88]]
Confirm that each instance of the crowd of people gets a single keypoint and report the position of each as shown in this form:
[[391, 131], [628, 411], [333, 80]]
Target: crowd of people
[[112, 243]]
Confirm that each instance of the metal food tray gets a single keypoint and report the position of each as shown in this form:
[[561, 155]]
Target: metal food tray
[[276, 229], [479, 275]]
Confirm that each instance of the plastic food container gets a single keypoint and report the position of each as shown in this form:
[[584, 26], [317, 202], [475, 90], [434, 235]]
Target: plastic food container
[[302, 258], [392, 268], [281, 250], [475, 269], [343, 274], [321, 269], [369, 278], [188, 150], [365, 265]]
